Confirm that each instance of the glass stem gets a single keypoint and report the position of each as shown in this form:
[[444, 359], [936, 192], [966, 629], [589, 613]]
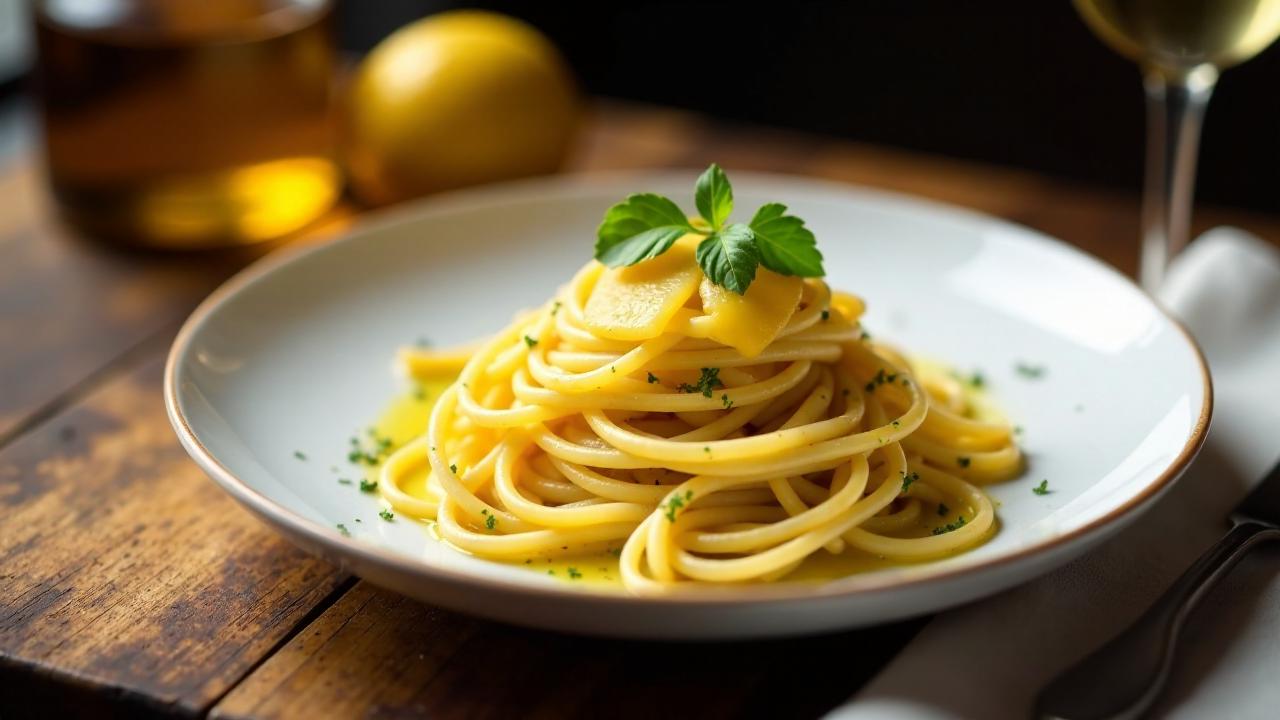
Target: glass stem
[[1175, 109]]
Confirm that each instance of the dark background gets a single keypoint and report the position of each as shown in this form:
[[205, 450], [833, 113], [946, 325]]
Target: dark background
[[1016, 83]]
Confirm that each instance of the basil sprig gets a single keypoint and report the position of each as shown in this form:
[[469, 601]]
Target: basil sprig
[[646, 225]]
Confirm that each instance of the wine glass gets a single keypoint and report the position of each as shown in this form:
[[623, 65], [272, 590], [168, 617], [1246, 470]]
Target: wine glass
[[1181, 46]]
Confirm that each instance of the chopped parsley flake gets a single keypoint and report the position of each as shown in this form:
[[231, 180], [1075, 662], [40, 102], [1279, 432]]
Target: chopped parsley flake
[[574, 574], [555, 308], [708, 381], [943, 510], [386, 514], [299, 454], [653, 379], [490, 522], [530, 341], [977, 380], [370, 453], [343, 529], [1042, 488], [344, 481], [963, 461], [826, 315], [1029, 371], [896, 424], [368, 485], [880, 378], [908, 478], [728, 404], [950, 527], [866, 335], [453, 469], [676, 502]]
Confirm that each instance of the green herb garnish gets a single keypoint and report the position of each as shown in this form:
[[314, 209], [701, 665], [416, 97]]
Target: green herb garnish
[[371, 453], [574, 574], [385, 514], [728, 404], [943, 510], [1042, 488], [646, 225], [1029, 371], [907, 479], [453, 469], [963, 461], [708, 381], [950, 527], [530, 341], [653, 379], [343, 529], [676, 502], [490, 521], [826, 315], [368, 485], [299, 454]]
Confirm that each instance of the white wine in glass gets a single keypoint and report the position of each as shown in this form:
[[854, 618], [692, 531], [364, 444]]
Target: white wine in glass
[[1181, 45]]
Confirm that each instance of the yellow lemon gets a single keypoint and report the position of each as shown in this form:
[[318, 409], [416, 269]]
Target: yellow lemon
[[456, 99]]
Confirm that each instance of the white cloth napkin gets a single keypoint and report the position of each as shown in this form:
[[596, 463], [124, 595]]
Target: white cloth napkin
[[989, 659]]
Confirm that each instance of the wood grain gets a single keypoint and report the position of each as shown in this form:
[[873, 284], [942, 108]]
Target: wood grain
[[126, 571], [376, 654]]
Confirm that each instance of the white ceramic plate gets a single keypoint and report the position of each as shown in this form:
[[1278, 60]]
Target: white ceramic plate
[[295, 354]]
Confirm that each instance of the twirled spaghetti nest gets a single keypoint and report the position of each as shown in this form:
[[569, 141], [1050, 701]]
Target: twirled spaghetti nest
[[701, 464]]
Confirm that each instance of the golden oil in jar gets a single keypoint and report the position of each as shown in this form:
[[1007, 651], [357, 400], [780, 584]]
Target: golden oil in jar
[[188, 124]]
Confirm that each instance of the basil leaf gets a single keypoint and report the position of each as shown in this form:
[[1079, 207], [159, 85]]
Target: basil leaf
[[641, 227], [714, 196], [786, 246], [729, 258]]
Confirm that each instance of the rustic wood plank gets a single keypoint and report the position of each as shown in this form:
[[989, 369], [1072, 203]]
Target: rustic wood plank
[[377, 654], [125, 572]]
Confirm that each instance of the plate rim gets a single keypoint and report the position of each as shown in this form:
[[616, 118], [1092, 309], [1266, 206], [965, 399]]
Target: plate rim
[[332, 542]]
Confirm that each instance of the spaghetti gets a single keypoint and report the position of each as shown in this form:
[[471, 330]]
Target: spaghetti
[[696, 460]]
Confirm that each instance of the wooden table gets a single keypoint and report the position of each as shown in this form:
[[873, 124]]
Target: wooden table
[[131, 586]]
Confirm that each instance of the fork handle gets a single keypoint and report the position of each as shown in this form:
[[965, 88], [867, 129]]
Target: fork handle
[[1122, 678]]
